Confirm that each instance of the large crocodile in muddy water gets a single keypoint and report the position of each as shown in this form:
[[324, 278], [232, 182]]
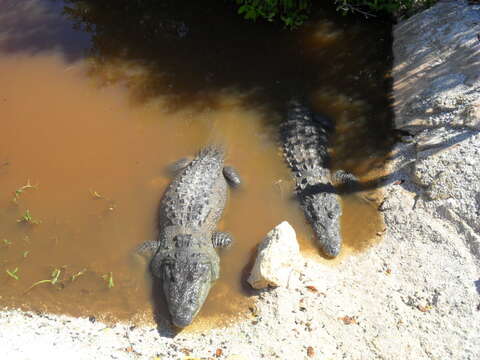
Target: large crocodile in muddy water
[[304, 137], [185, 259]]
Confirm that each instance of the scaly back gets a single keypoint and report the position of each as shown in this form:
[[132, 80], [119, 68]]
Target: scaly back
[[188, 199], [305, 143]]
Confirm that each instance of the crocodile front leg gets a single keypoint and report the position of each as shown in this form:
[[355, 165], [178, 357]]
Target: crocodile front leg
[[346, 182], [144, 253], [148, 248], [221, 239], [232, 176]]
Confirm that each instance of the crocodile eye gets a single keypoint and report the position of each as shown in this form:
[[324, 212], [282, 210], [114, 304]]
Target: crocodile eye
[[330, 215], [168, 272]]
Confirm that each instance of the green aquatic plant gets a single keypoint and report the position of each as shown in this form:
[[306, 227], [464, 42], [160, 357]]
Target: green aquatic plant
[[55, 276], [25, 253], [21, 189], [13, 273], [28, 219], [109, 279], [7, 242], [77, 275]]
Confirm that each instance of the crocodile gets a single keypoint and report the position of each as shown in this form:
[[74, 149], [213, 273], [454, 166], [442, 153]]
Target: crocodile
[[305, 136], [185, 260]]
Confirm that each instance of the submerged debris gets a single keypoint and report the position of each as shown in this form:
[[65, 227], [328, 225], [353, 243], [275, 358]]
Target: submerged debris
[[21, 189]]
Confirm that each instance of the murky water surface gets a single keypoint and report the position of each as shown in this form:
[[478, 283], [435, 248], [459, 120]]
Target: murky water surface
[[97, 98]]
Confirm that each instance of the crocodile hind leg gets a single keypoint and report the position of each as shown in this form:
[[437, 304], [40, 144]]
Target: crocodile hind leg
[[232, 176], [221, 239], [177, 166]]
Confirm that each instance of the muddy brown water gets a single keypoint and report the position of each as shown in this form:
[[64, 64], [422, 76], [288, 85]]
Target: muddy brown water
[[93, 126]]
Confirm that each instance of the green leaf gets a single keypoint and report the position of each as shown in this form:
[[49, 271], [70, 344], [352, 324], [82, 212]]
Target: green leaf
[[13, 273]]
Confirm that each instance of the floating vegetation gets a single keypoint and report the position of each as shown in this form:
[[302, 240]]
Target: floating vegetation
[[109, 279], [25, 253], [28, 219], [13, 273], [75, 276], [95, 194], [54, 280], [21, 189], [7, 242]]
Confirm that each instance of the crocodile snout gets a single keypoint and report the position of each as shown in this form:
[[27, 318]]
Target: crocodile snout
[[182, 321]]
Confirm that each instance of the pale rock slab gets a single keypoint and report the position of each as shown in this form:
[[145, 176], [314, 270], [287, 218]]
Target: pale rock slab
[[277, 256], [437, 57]]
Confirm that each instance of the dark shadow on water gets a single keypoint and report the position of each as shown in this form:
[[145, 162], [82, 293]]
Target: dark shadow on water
[[190, 52]]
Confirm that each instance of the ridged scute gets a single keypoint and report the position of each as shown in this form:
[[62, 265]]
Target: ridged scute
[[193, 194], [305, 144]]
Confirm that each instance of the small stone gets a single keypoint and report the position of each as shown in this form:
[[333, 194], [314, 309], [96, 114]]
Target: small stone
[[277, 256], [186, 351], [348, 320], [424, 308], [310, 351]]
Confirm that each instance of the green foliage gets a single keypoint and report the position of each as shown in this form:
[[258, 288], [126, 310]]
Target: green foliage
[[293, 13], [362, 6], [28, 219], [109, 279]]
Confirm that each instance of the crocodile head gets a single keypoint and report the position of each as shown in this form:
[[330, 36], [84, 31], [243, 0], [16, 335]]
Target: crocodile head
[[187, 280], [323, 211]]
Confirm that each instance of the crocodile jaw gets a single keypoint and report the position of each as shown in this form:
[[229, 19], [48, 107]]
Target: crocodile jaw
[[186, 285], [328, 238], [323, 211]]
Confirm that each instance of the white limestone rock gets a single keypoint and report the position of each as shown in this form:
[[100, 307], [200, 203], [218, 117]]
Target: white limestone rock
[[277, 256]]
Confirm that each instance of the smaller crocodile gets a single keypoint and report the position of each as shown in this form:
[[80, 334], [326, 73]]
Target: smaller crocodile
[[304, 137], [184, 256]]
